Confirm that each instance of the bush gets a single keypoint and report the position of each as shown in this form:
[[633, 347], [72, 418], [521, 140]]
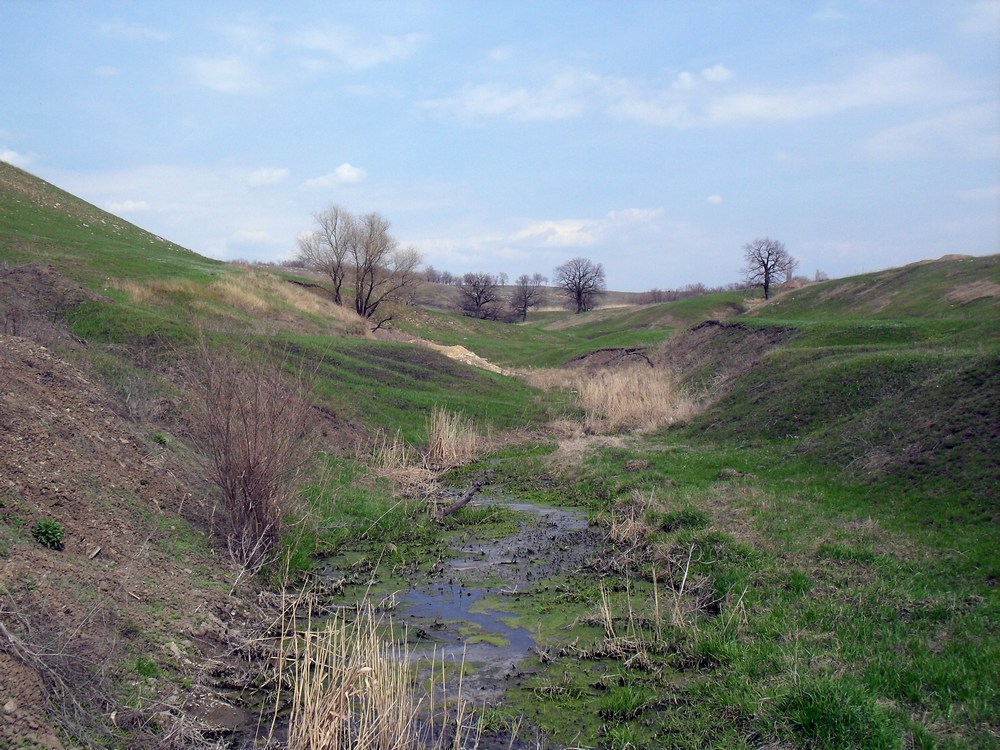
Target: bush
[[49, 534], [255, 422]]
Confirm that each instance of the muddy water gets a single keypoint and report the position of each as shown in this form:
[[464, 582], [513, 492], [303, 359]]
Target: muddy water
[[447, 615]]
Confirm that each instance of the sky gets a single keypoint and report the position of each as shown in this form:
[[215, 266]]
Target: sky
[[653, 137]]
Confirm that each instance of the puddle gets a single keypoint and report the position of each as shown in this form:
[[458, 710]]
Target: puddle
[[442, 615]]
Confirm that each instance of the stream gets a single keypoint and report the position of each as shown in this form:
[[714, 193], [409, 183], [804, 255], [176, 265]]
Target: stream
[[448, 615]]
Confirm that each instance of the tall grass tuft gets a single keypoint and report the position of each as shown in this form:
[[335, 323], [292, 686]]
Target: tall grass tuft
[[615, 400], [354, 687], [452, 440], [638, 398]]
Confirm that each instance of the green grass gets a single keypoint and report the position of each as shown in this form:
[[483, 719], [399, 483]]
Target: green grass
[[397, 386], [830, 618], [40, 223]]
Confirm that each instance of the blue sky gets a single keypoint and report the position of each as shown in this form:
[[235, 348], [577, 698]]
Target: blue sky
[[653, 137]]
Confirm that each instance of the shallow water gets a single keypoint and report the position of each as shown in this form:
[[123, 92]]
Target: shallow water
[[439, 615]]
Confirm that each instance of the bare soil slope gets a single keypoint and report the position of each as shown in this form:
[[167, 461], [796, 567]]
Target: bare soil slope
[[121, 592]]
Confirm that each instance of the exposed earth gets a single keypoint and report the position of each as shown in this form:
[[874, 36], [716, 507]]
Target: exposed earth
[[136, 584]]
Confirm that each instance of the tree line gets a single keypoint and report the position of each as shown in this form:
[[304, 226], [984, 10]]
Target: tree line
[[580, 282], [359, 253]]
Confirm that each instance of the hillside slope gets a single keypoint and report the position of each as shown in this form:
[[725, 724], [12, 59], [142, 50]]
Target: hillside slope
[[892, 377]]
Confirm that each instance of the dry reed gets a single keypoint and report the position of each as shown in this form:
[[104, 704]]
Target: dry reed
[[453, 440], [637, 398], [353, 686]]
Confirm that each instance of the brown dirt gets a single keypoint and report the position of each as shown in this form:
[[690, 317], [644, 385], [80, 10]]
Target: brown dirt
[[713, 355], [983, 289], [124, 586], [32, 297]]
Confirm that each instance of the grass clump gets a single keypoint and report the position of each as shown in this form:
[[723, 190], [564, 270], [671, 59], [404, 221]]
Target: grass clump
[[352, 687], [48, 533]]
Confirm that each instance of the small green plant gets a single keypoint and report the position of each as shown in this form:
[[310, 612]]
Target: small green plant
[[160, 439], [48, 533]]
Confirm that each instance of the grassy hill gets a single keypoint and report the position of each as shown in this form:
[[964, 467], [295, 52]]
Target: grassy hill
[[809, 560]]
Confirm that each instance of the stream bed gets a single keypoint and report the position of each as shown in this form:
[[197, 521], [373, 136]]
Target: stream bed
[[449, 617]]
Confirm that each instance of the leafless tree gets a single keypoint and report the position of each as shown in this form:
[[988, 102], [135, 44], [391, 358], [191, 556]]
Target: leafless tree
[[385, 275], [581, 281], [767, 262], [329, 248], [479, 296], [529, 292]]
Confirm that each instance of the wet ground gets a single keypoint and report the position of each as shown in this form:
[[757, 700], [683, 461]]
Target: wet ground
[[447, 615]]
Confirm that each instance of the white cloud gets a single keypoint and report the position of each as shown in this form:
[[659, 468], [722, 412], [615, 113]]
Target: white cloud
[[15, 158], [561, 233], [714, 200], [267, 176], [717, 74], [344, 46], [969, 131], [981, 19], [106, 71], [829, 12], [132, 31], [229, 75], [345, 174], [501, 53], [991, 193], [128, 206], [684, 80], [564, 97], [878, 82], [904, 79]]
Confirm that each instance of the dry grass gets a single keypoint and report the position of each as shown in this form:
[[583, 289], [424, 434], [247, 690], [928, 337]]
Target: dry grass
[[252, 292], [353, 686], [396, 461], [635, 398], [452, 440]]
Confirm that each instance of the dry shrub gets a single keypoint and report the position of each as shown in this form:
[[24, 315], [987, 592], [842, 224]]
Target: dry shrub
[[352, 686], [255, 421], [453, 440]]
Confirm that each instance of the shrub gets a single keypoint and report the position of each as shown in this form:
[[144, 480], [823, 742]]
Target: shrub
[[255, 422], [49, 534]]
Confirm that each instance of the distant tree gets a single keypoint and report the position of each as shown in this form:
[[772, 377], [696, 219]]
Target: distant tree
[[820, 276], [528, 292], [581, 281], [446, 278], [432, 275], [329, 248], [384, 274], [767, 262], [479, 296]]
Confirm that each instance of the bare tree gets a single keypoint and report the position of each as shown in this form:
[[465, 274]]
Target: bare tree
[[767, 262], [528, 292], [581, 281], [479, 296], [329, 248], [384, 274]]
